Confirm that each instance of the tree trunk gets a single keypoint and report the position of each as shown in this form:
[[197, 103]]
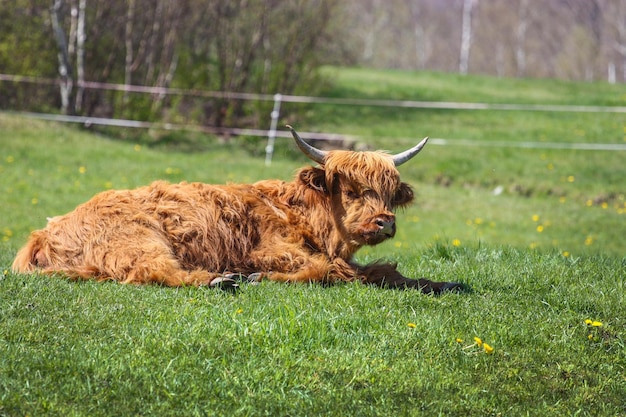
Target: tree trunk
[[80, 54], [466, 36], [65, 69], [520, 48], [128, 45]]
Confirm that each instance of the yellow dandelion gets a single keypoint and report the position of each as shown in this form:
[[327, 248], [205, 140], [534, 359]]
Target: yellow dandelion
[[562, 200], [478, 220], [10, 159], [540, 228], [239, 311], [412, 325], [456, 242], [34, 201], [398, 244], [488, 349], [566, 254], [588, 321], [478, 341], [550, 166], [596, 324], [589, 203], [137, 148], [605, 205], [82, 170], [590, 337], [535, 217], [533, 245], [571, 178], [458, 340], [588, 241]]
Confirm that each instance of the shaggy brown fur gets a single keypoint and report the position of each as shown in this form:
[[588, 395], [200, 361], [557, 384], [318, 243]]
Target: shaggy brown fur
[[191, 233]]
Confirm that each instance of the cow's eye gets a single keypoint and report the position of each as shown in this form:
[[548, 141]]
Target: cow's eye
[[352, 195]]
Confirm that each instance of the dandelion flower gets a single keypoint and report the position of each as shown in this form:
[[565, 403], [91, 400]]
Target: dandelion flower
[[459, 340], [456, 242], [588, 322], [478, 341], [535, 217], [488, 349], [590, 337], [82, 170], [540, 228], [596, 324], [239, 311], [412, 325]]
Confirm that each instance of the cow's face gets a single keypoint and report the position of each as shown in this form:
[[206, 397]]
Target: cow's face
[[363, 189]]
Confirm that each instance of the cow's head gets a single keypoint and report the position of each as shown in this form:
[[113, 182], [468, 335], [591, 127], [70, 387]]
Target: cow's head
[[363, 188]]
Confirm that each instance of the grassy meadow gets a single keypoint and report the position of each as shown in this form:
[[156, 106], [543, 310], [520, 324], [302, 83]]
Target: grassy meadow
[[542, 331]]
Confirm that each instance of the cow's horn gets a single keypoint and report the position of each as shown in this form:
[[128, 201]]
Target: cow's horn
[[313, 153], [402, 157]]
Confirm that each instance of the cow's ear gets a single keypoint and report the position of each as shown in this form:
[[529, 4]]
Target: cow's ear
[[314, 178], [403, 196]]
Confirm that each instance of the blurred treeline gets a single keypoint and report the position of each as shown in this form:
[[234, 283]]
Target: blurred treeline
[[277, 46]]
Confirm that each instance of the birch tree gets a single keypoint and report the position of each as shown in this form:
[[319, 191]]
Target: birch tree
[[466, 36], [65, 68]]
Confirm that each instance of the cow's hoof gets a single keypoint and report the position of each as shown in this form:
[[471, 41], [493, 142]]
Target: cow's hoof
[[224, 283], [255, 278]]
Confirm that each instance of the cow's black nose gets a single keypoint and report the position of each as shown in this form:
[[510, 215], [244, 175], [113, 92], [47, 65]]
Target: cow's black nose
[[386, 224]]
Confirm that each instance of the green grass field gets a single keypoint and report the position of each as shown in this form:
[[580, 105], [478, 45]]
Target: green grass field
[[542, 257]]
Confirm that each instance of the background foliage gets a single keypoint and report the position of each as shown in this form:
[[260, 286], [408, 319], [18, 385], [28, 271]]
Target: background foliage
[[278, 46]]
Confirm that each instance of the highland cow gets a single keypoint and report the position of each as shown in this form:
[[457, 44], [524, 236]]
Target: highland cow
[[306, 230]]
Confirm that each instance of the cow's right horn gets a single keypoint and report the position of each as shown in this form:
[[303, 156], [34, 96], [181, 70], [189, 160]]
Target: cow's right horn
[[402, 157], [313, 153]]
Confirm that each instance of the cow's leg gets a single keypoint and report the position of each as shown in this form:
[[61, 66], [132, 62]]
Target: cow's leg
[[386, 275], [166, 271], [138, 255], [313, 271]]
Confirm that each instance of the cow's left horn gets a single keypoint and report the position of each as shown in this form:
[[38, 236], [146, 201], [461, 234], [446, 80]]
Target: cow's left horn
[[313, 153], [402, 157]]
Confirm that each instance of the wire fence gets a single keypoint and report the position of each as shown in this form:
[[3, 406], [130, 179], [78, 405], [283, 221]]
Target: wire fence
[[272, 133]]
